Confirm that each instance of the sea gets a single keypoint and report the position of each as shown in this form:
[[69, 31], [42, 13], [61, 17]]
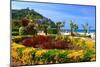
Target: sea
[[79, 30]]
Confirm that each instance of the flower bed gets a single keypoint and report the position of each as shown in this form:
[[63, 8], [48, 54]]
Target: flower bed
[[29, 55]]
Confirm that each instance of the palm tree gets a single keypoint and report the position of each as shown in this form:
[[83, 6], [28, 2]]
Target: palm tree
[[89, 29], [73, 27], [85, 28], [59, 25], [45, 27]]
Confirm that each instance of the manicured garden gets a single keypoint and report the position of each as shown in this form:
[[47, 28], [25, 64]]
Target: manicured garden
[[32, 50], [39, 40]]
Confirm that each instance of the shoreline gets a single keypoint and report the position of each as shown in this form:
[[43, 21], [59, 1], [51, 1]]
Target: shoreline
[[91, 34]]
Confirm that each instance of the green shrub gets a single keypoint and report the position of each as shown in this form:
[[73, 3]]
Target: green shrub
[[15, 33], [52, 31], [15, 29], [88, 55], [22, 31], [19, 51], [50, 56], [17, 39]]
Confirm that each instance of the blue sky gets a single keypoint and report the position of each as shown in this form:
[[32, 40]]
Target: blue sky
[[61, 12]]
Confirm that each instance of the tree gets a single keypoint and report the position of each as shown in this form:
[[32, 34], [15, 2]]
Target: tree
[[45, 27], [22, 29], [85, 28], [89, 29], [59, 25], [73, 27], [43, 24]]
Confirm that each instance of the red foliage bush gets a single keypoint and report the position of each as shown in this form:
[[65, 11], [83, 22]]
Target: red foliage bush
[[43, 39], [35, 41], [47, 45], [45, 42], [24, 22], [29, 42], [61, 44]]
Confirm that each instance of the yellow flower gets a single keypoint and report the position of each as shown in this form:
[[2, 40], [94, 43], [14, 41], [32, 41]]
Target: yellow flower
[[27, 50], [40, 53], [27, 56], [90, 44], [76, 55], [62, 51], [15, 56], [17, 45], [26, 59]]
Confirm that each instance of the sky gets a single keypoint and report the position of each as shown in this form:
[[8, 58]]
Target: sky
[[62, 12]]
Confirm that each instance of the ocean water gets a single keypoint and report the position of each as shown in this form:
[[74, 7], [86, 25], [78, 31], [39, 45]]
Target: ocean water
[[80, 30]]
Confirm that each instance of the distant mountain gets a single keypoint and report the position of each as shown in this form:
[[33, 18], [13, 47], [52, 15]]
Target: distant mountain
[[18, 14]]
